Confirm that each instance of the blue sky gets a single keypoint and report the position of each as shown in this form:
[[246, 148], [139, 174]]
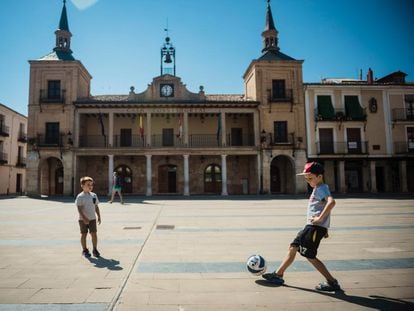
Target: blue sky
[[118, 41]]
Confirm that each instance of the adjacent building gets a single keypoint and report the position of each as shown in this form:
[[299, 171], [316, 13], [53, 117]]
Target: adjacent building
[[363, 132], [13, 126]]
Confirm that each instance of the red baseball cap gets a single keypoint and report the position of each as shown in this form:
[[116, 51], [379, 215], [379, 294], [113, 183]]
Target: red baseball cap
[[313, 168]]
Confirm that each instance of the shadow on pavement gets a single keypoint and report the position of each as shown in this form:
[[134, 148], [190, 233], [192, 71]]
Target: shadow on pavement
[[101, 262], [373, 302]]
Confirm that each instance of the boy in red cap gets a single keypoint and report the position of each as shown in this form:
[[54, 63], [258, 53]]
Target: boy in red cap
[[307, 241]]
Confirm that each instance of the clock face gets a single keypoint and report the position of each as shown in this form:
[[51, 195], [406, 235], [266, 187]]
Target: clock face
[[167, 90]]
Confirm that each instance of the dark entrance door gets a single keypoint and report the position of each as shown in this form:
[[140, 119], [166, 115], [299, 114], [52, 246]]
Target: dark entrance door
[[59, 181], [18, 183], [379, 176], [212, 179], [326, 145], [167, 179], [275, 179], [236, 136], [168, 137], [125, 174]]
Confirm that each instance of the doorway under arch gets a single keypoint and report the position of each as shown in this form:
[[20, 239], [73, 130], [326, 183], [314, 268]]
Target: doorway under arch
[[212, 179], [167, 178], [51, 177], [282, 175]]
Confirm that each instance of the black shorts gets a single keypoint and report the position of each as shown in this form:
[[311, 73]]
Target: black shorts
[[308, 240], [85, 227]]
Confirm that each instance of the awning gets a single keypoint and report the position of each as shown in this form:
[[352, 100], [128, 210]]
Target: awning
[[325, 108], [353, 109]]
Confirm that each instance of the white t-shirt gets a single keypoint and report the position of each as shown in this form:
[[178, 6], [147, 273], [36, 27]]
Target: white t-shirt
[[85, 200], [317, 202]]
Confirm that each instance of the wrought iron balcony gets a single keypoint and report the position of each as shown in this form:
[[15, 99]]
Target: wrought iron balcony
[[4, 130], [52, 140], [3, 158], [21, 162], [339, 115], [404, 147], [403, 114], [47, 98], [287, 97], [22, 137], [341, 148]]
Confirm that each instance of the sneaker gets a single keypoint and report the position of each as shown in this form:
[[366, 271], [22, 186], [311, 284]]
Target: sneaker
[[328, 286], [273, 278], [86, 253], [96, 253]]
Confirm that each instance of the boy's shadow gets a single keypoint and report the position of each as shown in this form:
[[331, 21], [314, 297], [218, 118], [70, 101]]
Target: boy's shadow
[[376, 302], [101, 262]]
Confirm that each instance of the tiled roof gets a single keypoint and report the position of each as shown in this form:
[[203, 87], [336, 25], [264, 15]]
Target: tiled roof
[[275, 55], [225, 97]]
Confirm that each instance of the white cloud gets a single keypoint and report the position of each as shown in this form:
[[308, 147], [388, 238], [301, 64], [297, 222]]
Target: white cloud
[[83, 4]]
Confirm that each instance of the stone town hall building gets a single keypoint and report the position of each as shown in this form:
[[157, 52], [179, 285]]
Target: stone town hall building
[[166, 139]]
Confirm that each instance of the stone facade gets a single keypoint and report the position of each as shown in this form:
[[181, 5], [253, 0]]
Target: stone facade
[[13, 130]]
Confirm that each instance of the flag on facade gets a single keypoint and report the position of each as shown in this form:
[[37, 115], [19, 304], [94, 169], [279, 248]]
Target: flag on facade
[[141, 127], [180, 126], [100, 119]]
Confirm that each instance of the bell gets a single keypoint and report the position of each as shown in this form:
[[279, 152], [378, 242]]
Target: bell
[[168, 58]]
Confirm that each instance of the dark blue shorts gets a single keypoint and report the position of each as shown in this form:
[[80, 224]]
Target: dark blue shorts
[[308, 240]]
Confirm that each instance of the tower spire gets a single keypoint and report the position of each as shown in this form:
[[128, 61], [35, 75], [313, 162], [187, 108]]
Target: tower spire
[[167, 56], [269, 34], [63, 34]]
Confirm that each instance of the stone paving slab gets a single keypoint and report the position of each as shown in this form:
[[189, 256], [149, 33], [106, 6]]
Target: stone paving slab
[[196, 259]]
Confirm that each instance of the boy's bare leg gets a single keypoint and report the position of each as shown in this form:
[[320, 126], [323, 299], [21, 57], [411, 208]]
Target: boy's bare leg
[[94, 240], [83, 240], [321, 268], [112, 197], [287, 261], [120, 196]]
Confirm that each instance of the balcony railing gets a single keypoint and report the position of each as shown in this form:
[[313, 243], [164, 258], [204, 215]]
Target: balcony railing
[[55, 140], [160, 141], [22, 137], [21, 162], [339, 115], [350, 147], [403, 114], [3, 158], [287, 97], [45, 97], [4, 130], [404, 147]]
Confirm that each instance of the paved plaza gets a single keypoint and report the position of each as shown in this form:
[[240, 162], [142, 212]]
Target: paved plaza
[[189, 253]]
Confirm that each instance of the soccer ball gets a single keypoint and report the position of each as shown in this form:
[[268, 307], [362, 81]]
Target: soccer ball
[[256, 264]]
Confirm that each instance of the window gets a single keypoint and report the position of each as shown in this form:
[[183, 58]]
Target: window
[[280, 132], [278, 89], [168, 137], [410, 138], [52, 133], [353, 109], [53, 89], [236, 136], [325, 109], [126, 137], [409, 107]]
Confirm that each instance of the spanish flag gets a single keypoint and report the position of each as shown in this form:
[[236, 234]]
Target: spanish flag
[[141, 127]]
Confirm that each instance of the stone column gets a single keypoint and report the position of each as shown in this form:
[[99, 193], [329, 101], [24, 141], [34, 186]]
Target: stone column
[[373, 176], [403, 175], [259, 174], [266, 172], [149, 175], [110, 172], [186, 176], [223, 175], [111, 130], [341, 177], [256, 127]]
